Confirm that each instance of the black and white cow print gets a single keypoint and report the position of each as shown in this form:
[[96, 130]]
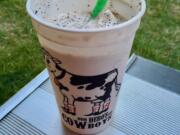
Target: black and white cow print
[[87, 87]]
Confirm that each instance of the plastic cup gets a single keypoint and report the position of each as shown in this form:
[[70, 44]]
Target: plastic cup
[[86, 66]]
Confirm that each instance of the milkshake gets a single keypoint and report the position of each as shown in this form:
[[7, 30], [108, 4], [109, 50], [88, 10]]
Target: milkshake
[[86, 58], [51, 11]]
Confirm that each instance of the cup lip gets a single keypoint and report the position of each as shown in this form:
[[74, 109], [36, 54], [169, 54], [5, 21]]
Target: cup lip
[[53, 26]]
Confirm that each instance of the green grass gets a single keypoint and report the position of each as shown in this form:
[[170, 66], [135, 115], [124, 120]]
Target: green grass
[[20, 58], [159, 35]]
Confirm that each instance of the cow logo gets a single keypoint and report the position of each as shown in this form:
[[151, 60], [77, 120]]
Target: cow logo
[[86, 87]]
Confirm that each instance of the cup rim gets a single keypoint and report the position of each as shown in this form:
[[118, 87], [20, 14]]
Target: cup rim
[[53, 26]]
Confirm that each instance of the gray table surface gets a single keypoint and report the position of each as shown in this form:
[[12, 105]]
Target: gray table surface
[[148, 104]]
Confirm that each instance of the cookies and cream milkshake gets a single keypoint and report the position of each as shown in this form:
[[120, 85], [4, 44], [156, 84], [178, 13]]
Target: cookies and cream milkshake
[[85, 57], [50, 10]]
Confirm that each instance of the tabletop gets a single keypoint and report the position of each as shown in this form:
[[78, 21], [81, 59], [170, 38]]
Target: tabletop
[[148, 103]]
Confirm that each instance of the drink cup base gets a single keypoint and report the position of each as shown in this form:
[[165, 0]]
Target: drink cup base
[[67, 129]]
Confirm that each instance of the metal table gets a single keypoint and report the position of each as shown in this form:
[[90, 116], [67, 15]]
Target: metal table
[[148, 103]]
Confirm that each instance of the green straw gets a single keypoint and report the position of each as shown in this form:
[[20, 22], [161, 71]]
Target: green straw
[[100, 5]]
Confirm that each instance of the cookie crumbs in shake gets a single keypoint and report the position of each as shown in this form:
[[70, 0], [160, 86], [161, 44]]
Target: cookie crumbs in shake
[[73, 19]]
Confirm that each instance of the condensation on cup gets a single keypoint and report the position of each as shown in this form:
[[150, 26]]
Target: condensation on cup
[[86, 66]]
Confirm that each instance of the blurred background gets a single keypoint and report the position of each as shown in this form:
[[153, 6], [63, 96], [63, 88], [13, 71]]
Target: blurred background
[[158, 39]]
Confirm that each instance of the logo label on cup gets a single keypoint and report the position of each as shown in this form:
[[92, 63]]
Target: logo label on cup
[[91, 90]]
